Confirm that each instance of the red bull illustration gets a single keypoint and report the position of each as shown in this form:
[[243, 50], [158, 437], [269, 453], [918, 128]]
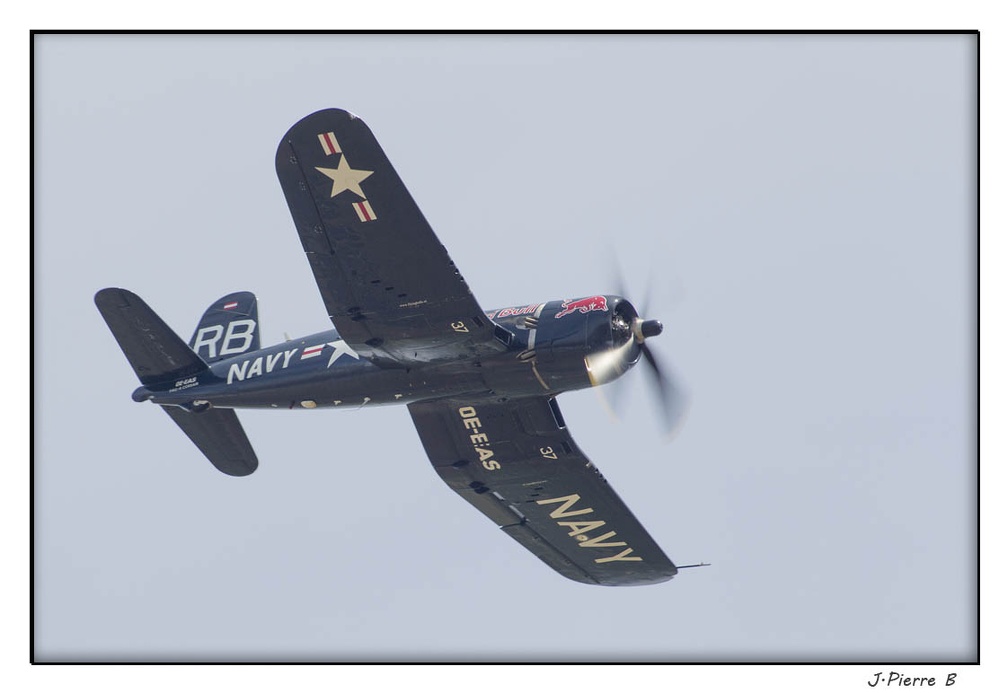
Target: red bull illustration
[[583, 305]]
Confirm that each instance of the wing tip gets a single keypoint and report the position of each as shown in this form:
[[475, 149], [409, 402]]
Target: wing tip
[[113, 295]]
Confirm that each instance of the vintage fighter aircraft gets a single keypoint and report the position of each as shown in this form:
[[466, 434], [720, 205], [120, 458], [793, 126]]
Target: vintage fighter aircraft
[[480, 385]]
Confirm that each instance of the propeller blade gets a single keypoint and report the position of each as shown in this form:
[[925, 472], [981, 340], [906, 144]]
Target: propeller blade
[[645, 305], [618, 279], [673, 401], [614, 395], [610, 400]]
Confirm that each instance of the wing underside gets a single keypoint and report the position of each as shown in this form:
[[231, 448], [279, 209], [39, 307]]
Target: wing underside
[[388, 284], [517, 464]]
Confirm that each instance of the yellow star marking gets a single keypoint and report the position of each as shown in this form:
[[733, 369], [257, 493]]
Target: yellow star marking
[[345, 178]]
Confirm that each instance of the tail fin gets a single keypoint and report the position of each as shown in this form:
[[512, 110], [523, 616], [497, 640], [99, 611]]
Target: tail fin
[[235, 320], [157, 355]]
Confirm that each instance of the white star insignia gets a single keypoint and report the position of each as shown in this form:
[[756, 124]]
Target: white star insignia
[[345, 178], [340, 348]]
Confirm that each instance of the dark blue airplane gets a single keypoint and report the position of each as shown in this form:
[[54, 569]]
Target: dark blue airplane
[[480, 385]]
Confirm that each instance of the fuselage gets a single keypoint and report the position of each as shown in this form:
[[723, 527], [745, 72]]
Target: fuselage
[[545, 349]]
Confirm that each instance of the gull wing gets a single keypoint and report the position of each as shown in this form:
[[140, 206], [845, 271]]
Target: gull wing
[[389, 287], [516, 463]]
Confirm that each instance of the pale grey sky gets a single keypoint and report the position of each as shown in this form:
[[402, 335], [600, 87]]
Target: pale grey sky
[[804, 205]]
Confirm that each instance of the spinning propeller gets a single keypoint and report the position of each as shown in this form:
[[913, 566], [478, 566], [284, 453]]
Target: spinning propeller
[[634, 331]]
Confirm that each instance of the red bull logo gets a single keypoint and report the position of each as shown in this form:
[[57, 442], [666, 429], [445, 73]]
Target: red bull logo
[[512, 312], [583, 305]]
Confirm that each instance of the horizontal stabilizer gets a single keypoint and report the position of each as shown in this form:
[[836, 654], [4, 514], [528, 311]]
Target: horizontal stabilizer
[[220, 436], [151, 347]]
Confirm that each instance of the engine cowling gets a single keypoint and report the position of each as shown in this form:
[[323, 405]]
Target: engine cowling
[[576, 343]]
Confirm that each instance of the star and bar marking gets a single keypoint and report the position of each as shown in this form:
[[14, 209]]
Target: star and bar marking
[[339, 348], [281, 359], [345, 178], [329, 144]]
